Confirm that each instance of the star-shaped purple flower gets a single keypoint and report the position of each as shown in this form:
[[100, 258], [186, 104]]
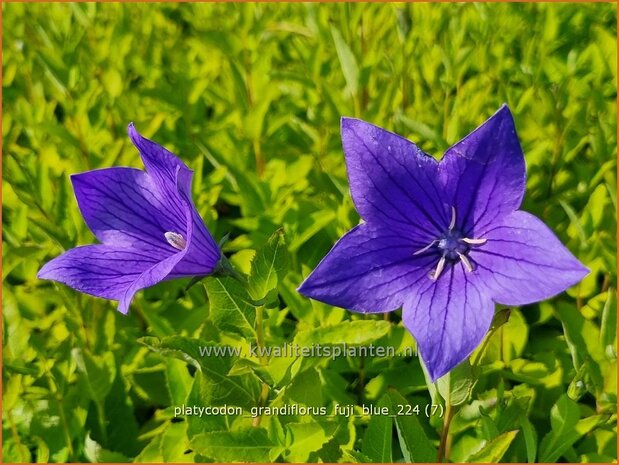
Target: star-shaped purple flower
[[147, 224], [444, 241]]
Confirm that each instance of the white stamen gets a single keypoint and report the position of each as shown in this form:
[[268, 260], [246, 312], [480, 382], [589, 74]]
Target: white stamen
[[453, 218], [467, 264], [474, 241], [439, 269], [176, 240], [431, 244]]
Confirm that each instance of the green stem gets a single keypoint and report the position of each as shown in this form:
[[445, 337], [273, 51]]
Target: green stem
[[264, 392], [443, 447], [101, 419], [55, 391], [260, 332]]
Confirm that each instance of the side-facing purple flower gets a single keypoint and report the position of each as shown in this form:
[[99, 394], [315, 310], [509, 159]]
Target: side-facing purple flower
[[444, 241], [147, 224]]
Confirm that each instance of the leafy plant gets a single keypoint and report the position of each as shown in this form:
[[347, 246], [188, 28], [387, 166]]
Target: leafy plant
[[250, 96]]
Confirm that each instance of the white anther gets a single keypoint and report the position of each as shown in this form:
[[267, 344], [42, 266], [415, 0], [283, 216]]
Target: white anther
[[453, 218], [474, 241], [467, 264], [176, 240], [439, 269], [431, 244]]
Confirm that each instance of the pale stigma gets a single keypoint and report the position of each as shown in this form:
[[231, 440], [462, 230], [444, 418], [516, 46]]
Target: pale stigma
[[176, 240]]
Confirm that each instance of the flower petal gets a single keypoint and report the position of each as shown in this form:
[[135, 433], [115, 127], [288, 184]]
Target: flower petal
[[524, 262], [163, 168], [484, 174], [123, 208], [392, 181], [448, 318], [173, 177], [147, 278], [99, 270], [202, 254], [369, 270]]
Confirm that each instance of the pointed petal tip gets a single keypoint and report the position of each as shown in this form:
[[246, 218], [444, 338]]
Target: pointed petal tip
[[47, 271], [585, 270], [503, 111], [436, 374], [581, 271], [503, 114], [133, 133], [347, 123], [356, 124], [303, 288], [123, 307], [434, 370], [78, 177], [43, 272]]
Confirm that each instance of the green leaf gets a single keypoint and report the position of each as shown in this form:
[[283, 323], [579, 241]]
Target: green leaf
[[15, 452], [269, 266], [246, 445], [305, 389], [566, 429], [231, 307], [95, 453], [377, 442], [583, 339], [555, 444], [178, 380], [174, 444], [305, 438], [217, 386], [530, 438], [360, 332], [564, 415], [608, 329], [347, 60], [202, 392], [179, 347], [99, 371], [456, 386], [414, 443], [494, 450], [121, 425]]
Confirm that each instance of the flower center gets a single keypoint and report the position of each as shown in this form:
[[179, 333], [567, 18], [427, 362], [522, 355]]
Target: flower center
[[453, 247], [176, 240]]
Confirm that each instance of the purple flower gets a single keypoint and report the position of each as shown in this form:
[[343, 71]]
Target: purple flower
[[147, 224], [444, 241]]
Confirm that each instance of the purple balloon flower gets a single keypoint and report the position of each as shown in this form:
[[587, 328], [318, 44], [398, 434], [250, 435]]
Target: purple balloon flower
[[444, 241], [147, 224]]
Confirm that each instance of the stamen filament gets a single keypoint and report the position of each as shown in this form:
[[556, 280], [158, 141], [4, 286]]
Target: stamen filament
[[453, 218], [430, 245], [439, 268], [467, 264], [474, 241]]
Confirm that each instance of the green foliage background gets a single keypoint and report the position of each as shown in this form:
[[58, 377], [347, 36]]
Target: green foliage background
[[250, 96]]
